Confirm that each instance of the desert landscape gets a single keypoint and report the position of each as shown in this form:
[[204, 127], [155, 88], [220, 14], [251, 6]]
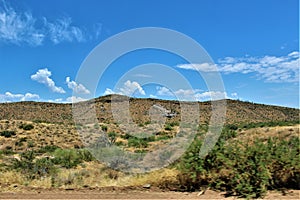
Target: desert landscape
[[149, 99], [42, 153]]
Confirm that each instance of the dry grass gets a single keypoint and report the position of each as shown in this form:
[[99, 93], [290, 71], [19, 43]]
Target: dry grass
[[281, 132], [93, 175]]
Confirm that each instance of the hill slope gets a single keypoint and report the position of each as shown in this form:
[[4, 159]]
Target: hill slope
[[237, 111]]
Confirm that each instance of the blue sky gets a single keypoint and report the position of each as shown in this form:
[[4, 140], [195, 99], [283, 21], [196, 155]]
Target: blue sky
[[253, 43]]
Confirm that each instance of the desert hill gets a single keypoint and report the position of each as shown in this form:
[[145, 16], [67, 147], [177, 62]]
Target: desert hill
[[52, 123], [237, 111]]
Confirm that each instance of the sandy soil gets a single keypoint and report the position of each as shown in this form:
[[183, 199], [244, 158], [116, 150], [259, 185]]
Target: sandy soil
[[132, 194]]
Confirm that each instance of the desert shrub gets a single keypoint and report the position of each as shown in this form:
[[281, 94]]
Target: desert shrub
[[119, 143], [7, 134], [140, 151], [96, 126], [244, 169], [163, 137], [44, 167], [149, 139], [34, 168], [112, 137], [168, 127], [85, 155], [70, 158], [26, 127], [30, 144], [126, 136], [137, 142], [47, 149], [104, 128], [232, 127], [6, 152]]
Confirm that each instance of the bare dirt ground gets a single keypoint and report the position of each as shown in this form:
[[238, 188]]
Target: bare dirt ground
[[113, 193]]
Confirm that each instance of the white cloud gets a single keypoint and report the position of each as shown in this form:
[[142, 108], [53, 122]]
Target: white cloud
[[186, 93], [18, 28], [10, 97], [21, 27], [211, 95], [77, 88], [108, 91], [163, 91], [143, 75], [191, 94], [74, 99], [43, 76], [204, 67], [129, 88], [234, 95], [62, 30], [59, 100], [269, 68], [153, 96], [294, 54]]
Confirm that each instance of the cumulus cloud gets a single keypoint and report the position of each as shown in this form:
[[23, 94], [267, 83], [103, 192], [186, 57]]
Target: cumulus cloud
[[77, 88], [211, 95], [234, 95], [43, 76], [129, 88], [108, 91], [10, 97], [191, 94], [276, 69], [21, 27], [74, 99], [163, 91]]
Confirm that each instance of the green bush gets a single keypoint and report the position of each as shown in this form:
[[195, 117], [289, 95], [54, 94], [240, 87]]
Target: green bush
[[70, 158], [168, 127], [7, 134], [34, 168], [243, 169], [104, 128], [137, 142], [112, 137], [26, 127], [47, 149]]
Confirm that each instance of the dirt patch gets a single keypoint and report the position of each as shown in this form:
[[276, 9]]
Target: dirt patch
[[130, 193]]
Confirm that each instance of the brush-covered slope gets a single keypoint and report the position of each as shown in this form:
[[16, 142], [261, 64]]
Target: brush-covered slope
[[236, 112]]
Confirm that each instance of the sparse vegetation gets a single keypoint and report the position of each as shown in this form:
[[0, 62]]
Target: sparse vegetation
[[112, 137], [7, 134], [252, 155], [70, 158], [243, 168], [26, 127], [268, 124], [137, 142]]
